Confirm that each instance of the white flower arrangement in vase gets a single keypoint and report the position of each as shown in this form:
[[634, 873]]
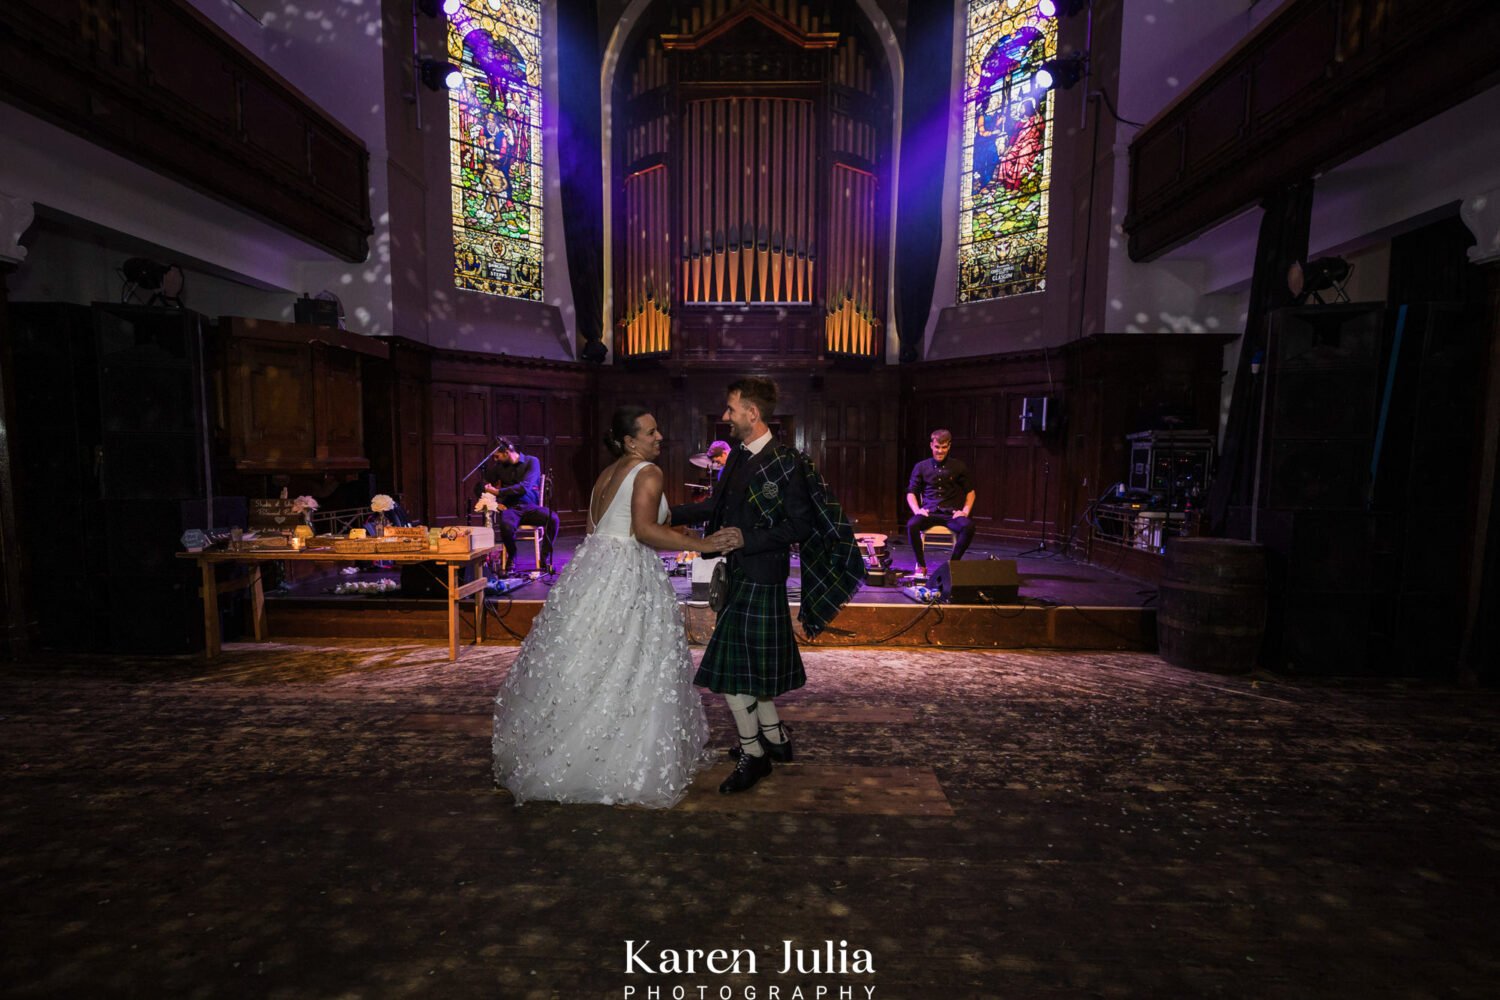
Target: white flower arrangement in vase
[[380, 503], [488, 506], [305, 505]]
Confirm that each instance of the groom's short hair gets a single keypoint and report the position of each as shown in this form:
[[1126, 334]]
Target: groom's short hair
[[760, 391]]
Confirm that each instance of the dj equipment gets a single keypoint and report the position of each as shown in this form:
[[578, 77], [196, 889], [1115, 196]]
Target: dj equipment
[[1174, 467], [978, 581]]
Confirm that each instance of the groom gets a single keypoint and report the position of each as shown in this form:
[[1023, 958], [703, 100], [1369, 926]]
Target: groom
[[768, 498]]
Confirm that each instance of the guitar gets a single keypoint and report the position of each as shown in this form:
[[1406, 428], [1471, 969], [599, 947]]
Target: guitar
[[877, 555]]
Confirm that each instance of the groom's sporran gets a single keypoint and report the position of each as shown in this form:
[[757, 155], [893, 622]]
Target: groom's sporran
[[718, 586]]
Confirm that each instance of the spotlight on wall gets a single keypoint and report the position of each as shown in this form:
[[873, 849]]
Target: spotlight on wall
[[439, 75], [1306, 281], [1062, 72]]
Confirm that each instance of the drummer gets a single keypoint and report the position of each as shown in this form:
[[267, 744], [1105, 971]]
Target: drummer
[[718, 457]]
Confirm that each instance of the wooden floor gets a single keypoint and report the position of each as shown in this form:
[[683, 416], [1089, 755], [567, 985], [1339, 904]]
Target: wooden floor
[[318, 821]]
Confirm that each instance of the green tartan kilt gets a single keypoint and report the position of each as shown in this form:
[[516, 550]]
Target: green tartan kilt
[[753, 649]]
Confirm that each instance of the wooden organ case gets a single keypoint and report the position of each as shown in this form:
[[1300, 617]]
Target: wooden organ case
[[752, 219]]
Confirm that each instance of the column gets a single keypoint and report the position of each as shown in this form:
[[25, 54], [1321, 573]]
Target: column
[[15, 621], [1481, 213]]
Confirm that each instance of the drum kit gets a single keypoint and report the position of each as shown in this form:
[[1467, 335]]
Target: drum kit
[[702, 461]]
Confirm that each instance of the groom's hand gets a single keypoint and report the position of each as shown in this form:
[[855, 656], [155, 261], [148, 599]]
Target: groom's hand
[[725, 540]]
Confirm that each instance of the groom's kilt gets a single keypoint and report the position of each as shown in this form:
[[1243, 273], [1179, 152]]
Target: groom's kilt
[[753, 649]]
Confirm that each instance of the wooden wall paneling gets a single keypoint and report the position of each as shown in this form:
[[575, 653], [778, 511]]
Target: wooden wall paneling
[[850, 427], [980, 400], [270, 394], [339, 407], [460, 438], [295, 395], [410, 475]]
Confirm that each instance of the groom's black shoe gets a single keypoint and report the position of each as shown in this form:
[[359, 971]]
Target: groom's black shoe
[[747, 771], [781, 752]]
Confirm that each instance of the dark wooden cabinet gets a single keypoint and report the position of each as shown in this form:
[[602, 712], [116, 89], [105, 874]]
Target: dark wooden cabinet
[[292, 396]]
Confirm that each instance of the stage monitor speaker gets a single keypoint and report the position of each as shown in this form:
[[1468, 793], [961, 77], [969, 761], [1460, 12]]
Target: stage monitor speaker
[[1034, 413], [978, 581]]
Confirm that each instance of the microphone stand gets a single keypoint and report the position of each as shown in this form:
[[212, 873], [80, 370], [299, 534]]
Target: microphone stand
[[488, 455], [1041, 546]]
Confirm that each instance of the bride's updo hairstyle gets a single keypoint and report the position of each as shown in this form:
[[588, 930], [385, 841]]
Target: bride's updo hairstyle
[[621, 426]]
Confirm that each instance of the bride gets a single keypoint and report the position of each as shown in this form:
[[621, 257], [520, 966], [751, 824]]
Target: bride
[[599, 705]]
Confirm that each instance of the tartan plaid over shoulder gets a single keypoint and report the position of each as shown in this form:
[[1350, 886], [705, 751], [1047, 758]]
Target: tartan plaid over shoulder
[[833, 567]]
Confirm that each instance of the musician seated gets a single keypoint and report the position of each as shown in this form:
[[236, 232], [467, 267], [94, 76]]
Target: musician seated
[[939, 493], [515, 481], [718, 457]]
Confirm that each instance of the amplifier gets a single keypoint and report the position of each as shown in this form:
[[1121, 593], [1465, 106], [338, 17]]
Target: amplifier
[[978, 581]]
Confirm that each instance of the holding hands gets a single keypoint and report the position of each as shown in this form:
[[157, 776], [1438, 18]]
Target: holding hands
[[724, 540]]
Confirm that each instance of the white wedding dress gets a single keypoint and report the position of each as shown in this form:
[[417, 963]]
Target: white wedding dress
[[599, 705]]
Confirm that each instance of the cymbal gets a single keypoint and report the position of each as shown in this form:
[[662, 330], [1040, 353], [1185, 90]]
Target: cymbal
[[700, 460]]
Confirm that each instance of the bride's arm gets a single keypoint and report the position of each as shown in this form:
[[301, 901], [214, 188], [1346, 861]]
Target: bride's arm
[[645, 508]]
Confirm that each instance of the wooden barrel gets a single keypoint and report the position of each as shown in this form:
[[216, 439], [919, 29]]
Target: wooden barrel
[[1211, 612]]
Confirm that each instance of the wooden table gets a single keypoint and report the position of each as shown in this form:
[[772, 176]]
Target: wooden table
[[212, 588]]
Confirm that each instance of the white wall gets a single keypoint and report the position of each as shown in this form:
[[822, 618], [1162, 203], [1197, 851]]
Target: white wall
[[332, 53], [1166, 46]]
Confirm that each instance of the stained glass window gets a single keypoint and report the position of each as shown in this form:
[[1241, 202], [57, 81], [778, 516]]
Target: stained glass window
[[495, 137], [1007, 153]]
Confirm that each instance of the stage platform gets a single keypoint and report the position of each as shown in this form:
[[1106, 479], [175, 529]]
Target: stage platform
[[1063, 604]]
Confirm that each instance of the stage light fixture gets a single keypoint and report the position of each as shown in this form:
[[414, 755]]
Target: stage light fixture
[[1306, 281], [1060, 8], [144, 273], [1062, 72], [439, 75], [165, 282]]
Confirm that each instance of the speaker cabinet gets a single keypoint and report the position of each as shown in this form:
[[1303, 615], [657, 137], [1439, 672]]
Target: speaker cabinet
[[978, 581], [110, 441], [1323, 406]]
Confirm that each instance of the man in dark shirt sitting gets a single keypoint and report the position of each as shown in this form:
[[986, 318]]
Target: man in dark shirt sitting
[[939, 493], [515, 480]]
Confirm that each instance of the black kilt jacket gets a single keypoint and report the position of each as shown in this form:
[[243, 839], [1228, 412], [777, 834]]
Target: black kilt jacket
[[753, 649]]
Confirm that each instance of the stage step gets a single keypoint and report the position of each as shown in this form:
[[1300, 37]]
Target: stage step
[[1027, 626]]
